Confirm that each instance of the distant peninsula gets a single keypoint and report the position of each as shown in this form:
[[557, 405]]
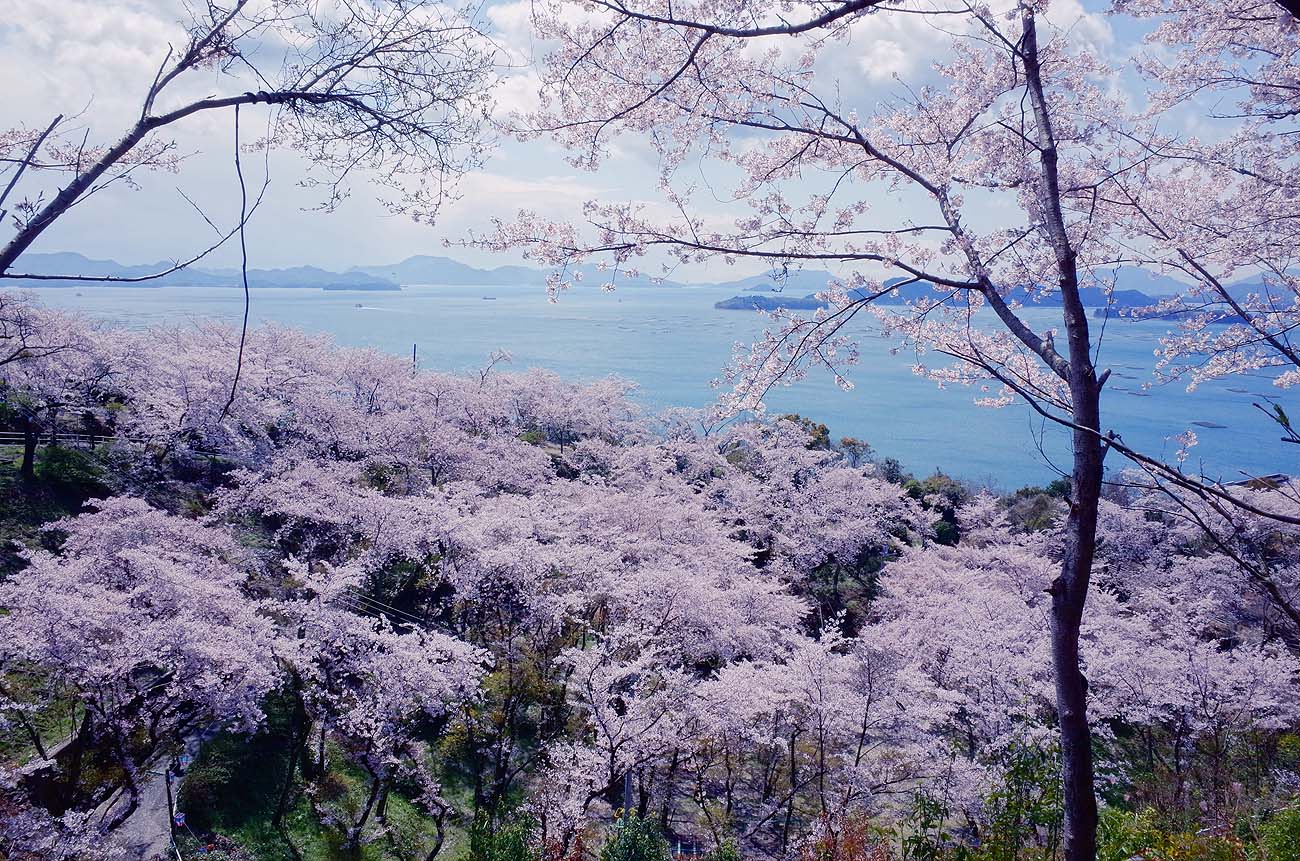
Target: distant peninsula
[[1123, 303], [81, 271]]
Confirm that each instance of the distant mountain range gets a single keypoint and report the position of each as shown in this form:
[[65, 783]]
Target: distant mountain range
[[420, 269], [67, 263], [769, 291], [426, 269]]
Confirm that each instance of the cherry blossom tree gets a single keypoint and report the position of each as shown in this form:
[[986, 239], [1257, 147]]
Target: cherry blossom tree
[[371, 686], [563, 602], [52, 363], [1018, 112], [1217, 206], [392, 87], [141, 615]]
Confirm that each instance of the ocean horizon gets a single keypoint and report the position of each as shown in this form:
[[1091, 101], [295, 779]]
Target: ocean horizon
[[672, 343]]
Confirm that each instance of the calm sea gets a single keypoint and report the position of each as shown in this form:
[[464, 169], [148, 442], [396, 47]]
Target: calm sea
[[671, 342]]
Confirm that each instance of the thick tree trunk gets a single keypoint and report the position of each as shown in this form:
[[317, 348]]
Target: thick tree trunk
[[297, 743], [440, 833], [31, 436], [1069, 594], [376, 787], [1069, 590]]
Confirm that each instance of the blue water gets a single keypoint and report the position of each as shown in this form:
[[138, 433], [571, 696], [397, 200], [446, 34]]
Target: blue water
[[672, 342]]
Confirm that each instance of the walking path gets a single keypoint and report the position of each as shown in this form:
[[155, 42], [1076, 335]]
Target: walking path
[[146, 834]]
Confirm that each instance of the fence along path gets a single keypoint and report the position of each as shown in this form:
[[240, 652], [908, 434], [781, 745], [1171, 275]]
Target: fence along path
[[69, 440], [82, 440]]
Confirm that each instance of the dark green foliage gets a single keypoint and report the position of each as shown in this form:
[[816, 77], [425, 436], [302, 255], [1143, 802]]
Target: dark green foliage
[[924, 837], [1034, 513], [1060, 488], [237, 778], [635, 839], [819, 436], [727, 850], [24, 509], [946, 532], [1035, 509], [892, 471], [1025, 813], [856, 451], [950, 492], [514, 838], [70, 475], [943, 495]]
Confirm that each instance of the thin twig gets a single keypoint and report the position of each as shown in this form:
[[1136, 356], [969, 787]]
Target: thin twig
[[22, 165]]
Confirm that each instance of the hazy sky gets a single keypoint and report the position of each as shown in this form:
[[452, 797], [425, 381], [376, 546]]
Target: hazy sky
[[96, 57]]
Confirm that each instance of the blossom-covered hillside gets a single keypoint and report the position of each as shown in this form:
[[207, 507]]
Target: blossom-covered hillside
[[350, 608]]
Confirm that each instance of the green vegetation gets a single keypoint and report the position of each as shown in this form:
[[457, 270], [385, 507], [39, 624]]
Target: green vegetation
[[512, 839], [944, 495], [65, 479], [819, 436], [635, 839], [231, 792]]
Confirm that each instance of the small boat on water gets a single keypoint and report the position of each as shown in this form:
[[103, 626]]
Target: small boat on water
[[1209, 425], [489, 298]]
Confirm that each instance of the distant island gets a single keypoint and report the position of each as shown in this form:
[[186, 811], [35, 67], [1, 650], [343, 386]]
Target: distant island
[[906, 293], [793, 289], [1127, 303], [771, 303], [1148, 314]]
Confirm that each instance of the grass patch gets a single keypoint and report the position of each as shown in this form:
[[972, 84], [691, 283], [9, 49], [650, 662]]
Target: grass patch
[[54, 719], [229, 797], [65, 479]]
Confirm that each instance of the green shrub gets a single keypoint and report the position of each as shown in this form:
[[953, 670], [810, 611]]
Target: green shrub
[[924, 836], [1123, 835], [1279, 837], [819, 436], [205, 791], [635, 839], [1025, 813], [727, 850], [71, 475], [511, 839]]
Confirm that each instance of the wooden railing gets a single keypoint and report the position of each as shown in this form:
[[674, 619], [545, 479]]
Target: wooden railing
[[70, 440]]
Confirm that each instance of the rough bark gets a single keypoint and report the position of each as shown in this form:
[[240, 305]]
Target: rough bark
[[1069, 590], [31, 436]]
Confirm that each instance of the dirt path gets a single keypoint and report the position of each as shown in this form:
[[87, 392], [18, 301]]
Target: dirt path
[[146, 834]]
